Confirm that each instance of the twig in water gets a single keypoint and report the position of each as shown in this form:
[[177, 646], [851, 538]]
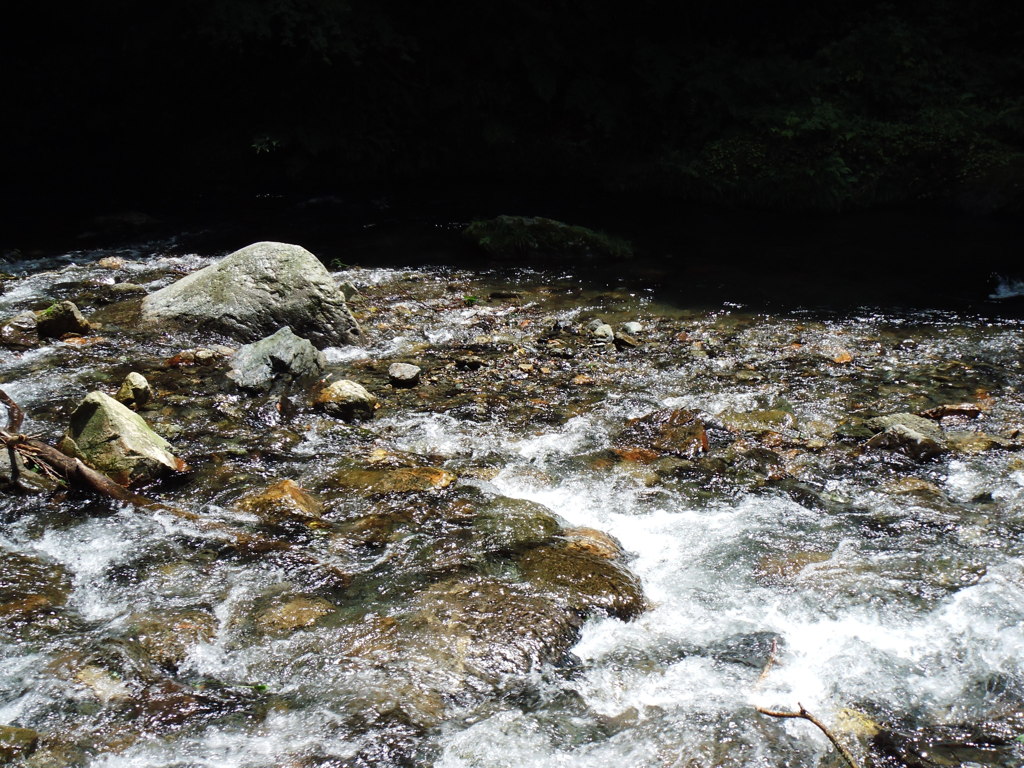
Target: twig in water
[[804, 714]]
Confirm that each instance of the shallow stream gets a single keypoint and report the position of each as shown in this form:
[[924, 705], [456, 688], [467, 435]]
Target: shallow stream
[[791, 561]]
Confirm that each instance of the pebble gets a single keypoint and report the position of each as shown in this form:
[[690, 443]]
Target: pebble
[[404, 375], [632, 328], [603, 332]]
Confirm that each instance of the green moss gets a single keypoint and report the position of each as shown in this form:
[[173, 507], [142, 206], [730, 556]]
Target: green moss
[[517, 236]]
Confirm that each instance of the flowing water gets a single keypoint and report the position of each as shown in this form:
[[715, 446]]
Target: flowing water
[[789, 564]]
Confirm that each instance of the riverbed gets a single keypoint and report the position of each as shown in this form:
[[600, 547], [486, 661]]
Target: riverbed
[[794, 559]]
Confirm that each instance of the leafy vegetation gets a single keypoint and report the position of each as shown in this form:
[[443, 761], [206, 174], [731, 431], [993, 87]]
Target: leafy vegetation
[[792, 104]]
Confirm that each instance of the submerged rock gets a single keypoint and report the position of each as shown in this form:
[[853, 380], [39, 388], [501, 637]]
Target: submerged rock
[[135, 391], [293, 614], [401, 480], [277, 359], [169, 636], [59, 319], [912, 435], [29, 586], [346, 400], [118, 442], [253, 291], [510, 524], [16, 743], [585, 582], [282, 501], [673, 432], [19, 332]]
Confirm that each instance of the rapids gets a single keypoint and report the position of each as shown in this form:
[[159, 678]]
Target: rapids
[[789, 565]]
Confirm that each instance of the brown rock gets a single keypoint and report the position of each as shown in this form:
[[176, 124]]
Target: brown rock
[[401, 480], [168, 636], [672, 432], [293, 615], [282, 500]]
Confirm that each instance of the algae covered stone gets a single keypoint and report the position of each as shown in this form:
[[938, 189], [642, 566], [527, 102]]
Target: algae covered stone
[[253, 292], [116, 441]]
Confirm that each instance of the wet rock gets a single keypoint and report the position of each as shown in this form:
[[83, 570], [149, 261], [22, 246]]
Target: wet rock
[[346, 400], [292, 615], [777, 569], [912, 435], [168, 636], [592, 542], [254, 291], [19, 332], [110, 262], [957, 411], [278, 359], [673, 432], [16, 743], [60, 319], [602, 332], [283, 500], [768, 420], [510, 524], [118, 442], [135, 391], [403, 375], [624, 341], [977, 442], [103, 684], [519, 236], [584, 582], [29, 586], [122, 291], [632, 328], [401, 480], [489, 627]]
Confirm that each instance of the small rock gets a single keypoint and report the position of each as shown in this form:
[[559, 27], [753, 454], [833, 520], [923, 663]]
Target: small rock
[[603, 332], [19, 332], [632, 328], [16, 743], [295, 614], [135, 391], [168, 636], [958, 410], [674, 432], [402, 480], [102, 684], [912, 435], [624, 340], [977, 442], [282, 500], [280, 358], [347, 400], [470, 363], [110, 262], [125, 290], [118, 442], [404, 375], [59, 319]]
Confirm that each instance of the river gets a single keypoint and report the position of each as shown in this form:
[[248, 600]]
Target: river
[[796, 562]]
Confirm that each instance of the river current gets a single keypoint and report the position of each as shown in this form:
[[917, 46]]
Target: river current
[[794, 563]]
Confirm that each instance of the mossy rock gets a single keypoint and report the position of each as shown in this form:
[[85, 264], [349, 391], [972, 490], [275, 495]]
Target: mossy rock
[[585, 582], [510, 524], [510, 237]]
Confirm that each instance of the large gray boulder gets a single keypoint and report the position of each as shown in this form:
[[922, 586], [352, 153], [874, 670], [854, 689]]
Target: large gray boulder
[[277, 359], [117, 442], [253, 292]]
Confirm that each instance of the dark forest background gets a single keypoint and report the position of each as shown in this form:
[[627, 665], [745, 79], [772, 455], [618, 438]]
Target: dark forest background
[[788, 105]]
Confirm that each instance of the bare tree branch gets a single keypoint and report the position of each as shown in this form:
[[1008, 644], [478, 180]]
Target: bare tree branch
[[805, 715]]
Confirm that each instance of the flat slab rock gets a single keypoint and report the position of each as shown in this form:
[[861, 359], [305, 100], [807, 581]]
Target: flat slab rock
[[252, 292]]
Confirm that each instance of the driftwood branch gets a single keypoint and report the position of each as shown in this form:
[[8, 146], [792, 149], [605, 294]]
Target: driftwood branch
[[805, 715], [75, 474]]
